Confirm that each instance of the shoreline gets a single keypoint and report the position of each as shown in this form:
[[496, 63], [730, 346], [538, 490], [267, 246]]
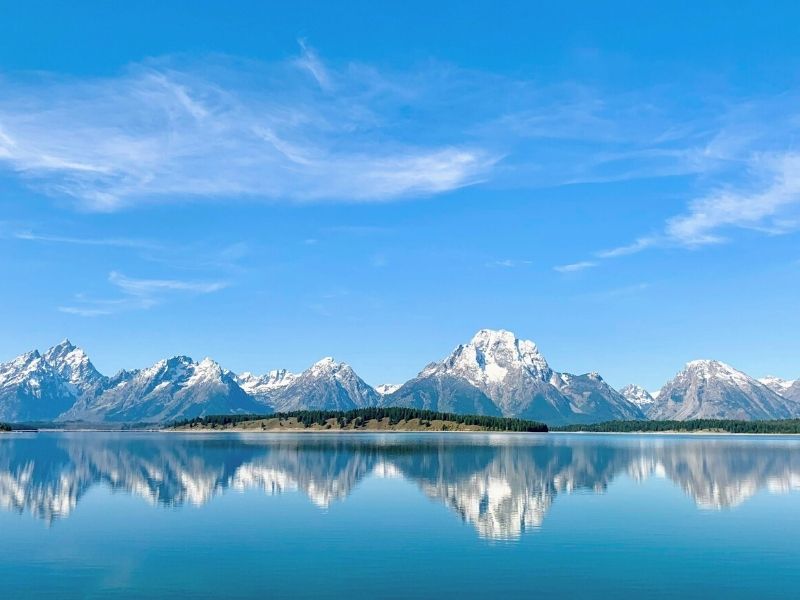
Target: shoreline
[[396, 431]]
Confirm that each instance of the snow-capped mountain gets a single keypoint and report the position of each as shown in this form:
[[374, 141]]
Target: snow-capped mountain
[[262, 387], [494, 374], [387, 388], [326, 385], [32, 390], [171, 389], [711, 389], [636, 394], [498, 374], [788, 388], [74, 366]]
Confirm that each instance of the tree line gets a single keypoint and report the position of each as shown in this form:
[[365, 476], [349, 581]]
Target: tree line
[[357, 417], [5, 427], [722, 425]]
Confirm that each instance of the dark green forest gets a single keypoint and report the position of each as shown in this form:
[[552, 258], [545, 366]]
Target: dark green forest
[[724, 425], [362, 415]]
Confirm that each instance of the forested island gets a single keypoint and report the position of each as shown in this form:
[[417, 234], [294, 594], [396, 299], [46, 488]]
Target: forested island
[[362, 419], [410, 419], [693, 426]]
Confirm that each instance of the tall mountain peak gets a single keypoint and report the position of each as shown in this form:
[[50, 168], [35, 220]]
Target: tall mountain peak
[[714, 389], [498, 373]]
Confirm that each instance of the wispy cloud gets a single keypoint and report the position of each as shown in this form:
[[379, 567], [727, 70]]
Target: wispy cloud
[[769, 202], [509, 263], [151, 287], [170, 129], [31, 236], [575, 267], [138, 294]]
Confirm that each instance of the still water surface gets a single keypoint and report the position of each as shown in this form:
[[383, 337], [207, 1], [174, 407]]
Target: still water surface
[[136, 515]]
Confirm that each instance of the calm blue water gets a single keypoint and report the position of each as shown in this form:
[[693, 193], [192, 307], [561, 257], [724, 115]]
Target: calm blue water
[[91, 515]]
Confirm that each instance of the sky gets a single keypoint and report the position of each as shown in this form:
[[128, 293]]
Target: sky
[[271, 183]]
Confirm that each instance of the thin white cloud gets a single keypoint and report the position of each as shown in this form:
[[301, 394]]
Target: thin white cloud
[[30, 236], [770, 204], [310, 61], [509, 263], [766, 206], [168, 131], [138, 294], [149, 287], [638, 245], [575, 267]]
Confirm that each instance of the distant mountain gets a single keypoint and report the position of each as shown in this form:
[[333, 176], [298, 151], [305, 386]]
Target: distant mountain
[[32, 390], [326, 385], [709, 389], [637, 395], [788, 388], [176, 388], [387, 388], [592, 399], [263, 387], [498, 374]]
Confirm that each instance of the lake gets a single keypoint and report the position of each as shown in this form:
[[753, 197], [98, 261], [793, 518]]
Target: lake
[[135, 515]]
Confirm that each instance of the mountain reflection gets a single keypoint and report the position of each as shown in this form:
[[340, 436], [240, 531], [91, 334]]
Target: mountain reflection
[[501, 485]]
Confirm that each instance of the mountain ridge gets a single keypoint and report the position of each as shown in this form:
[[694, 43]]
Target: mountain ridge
[[493, 374]]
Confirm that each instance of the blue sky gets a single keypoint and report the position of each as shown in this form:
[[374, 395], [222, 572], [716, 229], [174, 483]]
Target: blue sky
[[267, 185]]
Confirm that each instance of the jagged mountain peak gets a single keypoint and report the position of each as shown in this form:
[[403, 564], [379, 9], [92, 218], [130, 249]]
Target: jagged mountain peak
[[73, 364], [708, 369], [778, 384], [329, 367], [491, 356], [637, 395], [258, 385], [32, 389], [327, 384], [22, 365], [714, 389], [327, 362], [498, 373], [27, 357]]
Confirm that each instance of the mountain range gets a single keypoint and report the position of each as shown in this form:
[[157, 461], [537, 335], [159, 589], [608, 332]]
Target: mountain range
[[495, 373]]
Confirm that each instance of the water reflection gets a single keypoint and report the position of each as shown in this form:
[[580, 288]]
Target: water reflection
[[501, 485]]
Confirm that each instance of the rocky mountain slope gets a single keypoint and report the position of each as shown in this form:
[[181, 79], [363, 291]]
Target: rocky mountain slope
[[32, 390], [175, 388], [709, 389], [788, 388], [498, 374], [326, 385], [636, 394]]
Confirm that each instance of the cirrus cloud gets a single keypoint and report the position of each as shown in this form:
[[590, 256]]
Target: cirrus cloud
[[171, 129]]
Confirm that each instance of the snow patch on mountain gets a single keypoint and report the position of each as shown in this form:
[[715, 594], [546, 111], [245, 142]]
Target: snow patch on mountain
[[387, 388], [638, 395]]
